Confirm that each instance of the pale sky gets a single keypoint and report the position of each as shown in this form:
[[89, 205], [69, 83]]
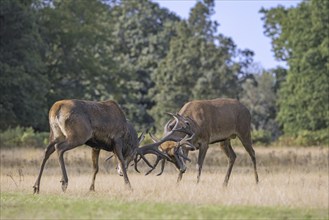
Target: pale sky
[[240, 20]]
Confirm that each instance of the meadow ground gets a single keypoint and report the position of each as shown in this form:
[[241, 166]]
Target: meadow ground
[[294, 183]]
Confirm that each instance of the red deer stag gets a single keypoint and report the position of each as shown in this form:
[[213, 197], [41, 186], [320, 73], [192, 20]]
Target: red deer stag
[[100, 125], [209, 121]]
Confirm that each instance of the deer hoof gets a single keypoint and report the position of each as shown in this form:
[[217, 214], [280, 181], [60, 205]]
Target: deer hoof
[[35, 189], [64, 186], [128, 187]]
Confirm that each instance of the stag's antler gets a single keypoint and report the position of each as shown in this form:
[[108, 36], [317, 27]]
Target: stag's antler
[[179, 141], [186, 141], [149, 149], [163, 161], [178, 118], [177, 153]]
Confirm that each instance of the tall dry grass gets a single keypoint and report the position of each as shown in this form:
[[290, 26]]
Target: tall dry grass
[[293, 177]]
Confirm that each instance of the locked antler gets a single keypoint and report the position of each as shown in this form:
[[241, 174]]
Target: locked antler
[[170, 136]]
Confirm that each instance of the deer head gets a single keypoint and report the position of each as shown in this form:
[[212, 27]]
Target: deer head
[[173, 144]]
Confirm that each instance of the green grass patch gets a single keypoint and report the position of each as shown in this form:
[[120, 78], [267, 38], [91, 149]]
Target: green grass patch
[[63, 206]]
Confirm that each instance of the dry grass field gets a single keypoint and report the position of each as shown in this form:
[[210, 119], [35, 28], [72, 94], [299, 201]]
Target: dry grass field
[[289, 177]]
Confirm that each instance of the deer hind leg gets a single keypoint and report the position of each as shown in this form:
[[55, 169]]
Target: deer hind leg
[[95, 157], [49, 150], [247, 143], [227, 149], [77, 132], [202, 155], [61, 148]]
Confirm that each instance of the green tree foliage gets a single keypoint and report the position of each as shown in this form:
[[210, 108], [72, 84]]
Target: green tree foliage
[[78, 54], [260, 98], [200, 64], [300, 37], [141, 34], [145, 57], [23, 83]]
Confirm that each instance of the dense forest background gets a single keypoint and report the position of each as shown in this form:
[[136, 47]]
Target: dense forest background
[[151, 61]]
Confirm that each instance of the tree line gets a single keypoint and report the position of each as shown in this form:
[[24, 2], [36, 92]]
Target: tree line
[[151, 61]]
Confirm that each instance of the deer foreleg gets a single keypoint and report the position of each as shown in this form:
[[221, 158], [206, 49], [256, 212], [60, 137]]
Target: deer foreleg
[[118, 151], [202, 154], [49, 150], [95, 157]]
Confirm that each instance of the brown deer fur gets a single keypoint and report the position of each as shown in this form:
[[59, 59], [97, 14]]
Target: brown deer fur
[[101, 125], [212, 121]]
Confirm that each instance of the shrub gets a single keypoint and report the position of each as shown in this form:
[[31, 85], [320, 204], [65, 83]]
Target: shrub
[[35, 139], [306, 138], [22, 137], [261, 136], [313, 138], [11, 137]]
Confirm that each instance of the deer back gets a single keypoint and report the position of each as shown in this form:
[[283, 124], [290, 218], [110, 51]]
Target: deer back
[[102, 120], [218, 119]]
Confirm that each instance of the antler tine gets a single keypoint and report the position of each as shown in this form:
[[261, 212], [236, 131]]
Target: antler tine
[[166, 126], [176, 119], [171, 114], [142, 157], [186, 141], [162, 167], [149, 149], [182, 118], [154, 139], [136, 162], [154, 166], [179, 118], [175, 128], [163, 162], [141, 137], [153, 148], [182, 155]]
